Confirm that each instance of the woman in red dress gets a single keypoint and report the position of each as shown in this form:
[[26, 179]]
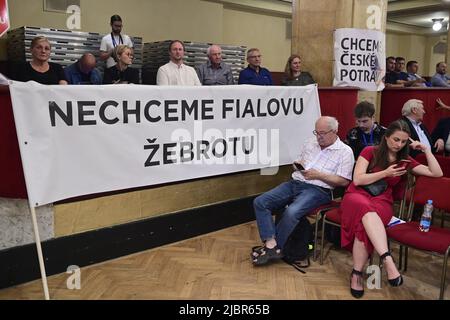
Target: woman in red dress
[[364, 217]]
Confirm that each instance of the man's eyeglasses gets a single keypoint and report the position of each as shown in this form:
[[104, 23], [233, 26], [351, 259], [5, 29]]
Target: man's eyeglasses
[[321, 134], [253, 57]]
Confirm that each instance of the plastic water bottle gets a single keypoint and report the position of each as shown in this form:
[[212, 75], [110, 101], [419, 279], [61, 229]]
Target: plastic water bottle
[[425, 221]]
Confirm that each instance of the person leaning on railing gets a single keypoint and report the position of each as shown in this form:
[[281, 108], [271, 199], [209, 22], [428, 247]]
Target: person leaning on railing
[[121, 72], [293, 76], [39, 69]]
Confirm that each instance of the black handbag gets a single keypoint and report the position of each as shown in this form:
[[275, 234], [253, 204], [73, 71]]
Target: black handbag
[[376, 188]]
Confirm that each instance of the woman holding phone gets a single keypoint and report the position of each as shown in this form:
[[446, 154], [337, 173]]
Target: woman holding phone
[[365, 215]]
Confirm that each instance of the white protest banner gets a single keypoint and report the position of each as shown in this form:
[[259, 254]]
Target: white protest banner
[[78, 140], [359, 58]]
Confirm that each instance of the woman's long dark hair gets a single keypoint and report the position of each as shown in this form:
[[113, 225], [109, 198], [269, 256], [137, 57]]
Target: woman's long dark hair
[[381, 153]]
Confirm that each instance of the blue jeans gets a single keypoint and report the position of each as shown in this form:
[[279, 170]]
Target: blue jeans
[[301, 198]]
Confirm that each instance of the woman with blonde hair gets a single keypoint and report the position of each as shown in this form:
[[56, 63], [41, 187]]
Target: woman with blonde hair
[[122, 72], [39, 69], [293, 76]]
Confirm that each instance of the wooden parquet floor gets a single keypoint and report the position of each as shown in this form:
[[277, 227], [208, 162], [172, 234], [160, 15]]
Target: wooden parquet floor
[[218, 266]]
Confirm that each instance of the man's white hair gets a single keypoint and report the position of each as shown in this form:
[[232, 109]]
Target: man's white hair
[[409, 105], [208, 51], [332, 122]]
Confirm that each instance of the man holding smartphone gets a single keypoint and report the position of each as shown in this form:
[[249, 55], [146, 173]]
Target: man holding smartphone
[[324, 163]]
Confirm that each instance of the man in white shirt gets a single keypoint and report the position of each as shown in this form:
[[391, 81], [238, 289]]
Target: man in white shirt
[[324, 163], [413, 112], [112, 40], [175, 72]]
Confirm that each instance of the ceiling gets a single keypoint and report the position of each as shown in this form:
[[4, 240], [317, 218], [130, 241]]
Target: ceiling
[[415, 16]]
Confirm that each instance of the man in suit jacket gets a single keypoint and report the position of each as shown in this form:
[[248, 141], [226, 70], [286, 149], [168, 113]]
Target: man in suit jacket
[[413, 112], [442, 132]]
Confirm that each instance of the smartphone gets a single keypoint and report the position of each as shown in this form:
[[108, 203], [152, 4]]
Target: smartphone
[[299, 166], [403, 163]]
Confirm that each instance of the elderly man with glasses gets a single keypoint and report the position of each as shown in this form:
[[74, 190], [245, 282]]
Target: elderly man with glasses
[[254, 73], [324, 163]]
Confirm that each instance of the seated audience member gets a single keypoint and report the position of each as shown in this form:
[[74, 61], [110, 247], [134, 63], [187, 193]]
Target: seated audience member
[[440, 78], [413, 112], [215, 71], [175, 72], [112, 40], [391, 77], [367, 132], [83, 71], [121, 72], [254, 73], [327, 163], [364, 215], [402, 77], [293, 76], [442, 130], [39, 69], [414, 80]]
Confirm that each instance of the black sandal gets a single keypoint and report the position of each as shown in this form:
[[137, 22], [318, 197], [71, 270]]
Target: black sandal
[[265, 255], [397, 282], [256, 251], [357, 293]]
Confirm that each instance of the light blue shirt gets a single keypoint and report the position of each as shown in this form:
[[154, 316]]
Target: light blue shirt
[[422, 136], [440, 80]]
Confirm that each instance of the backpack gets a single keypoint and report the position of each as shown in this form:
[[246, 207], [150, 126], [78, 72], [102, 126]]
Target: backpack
[[333, 235], [299, 245]]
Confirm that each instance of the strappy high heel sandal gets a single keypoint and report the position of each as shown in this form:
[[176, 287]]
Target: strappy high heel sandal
[[357, 293], [397, 282]]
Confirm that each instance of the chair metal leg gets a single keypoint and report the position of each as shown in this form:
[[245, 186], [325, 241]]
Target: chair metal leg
[[444, 273], [318, 217], [400, 258], [322, 240], [406, 259]]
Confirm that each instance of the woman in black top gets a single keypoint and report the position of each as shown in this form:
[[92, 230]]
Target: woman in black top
[[121, 72], [39, 69], [292, 74]]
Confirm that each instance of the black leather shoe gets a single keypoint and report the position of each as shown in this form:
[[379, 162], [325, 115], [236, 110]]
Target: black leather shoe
[[357, 293], [396, 282]]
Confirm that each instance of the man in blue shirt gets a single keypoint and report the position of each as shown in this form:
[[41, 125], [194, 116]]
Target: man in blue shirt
[[83, 71], [440, 79], [254, 73]]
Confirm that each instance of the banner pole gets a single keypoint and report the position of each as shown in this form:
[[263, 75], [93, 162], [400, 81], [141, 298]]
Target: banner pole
[[39, 251]]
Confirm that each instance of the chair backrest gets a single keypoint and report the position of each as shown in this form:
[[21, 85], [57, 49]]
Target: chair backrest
[[444, 162], [436, 189]]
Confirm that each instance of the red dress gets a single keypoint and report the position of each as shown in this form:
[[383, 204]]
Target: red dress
[[357, 202]]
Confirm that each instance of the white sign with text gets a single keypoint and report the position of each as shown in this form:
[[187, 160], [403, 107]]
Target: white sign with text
[[78, 140]]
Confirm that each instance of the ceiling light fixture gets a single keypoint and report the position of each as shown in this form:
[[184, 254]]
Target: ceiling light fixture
[[437, 23]]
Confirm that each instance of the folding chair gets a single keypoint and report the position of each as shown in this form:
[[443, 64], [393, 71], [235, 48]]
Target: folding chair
[[437, 240]]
